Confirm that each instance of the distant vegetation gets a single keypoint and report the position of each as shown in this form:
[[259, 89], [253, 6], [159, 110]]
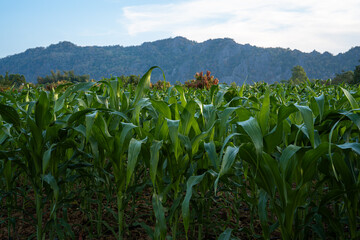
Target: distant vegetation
[[200, 80], [351, 77], [65, 76], [129, 80], [180, 59], [298, 75], [11, 79]]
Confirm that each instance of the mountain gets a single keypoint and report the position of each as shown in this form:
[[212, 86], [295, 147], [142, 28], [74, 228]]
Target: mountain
[[180, 59]]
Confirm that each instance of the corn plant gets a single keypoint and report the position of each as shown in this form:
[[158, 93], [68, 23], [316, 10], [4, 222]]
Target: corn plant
[[289, 154]]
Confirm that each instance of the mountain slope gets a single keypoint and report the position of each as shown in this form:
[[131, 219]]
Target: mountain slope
[[180, 59]]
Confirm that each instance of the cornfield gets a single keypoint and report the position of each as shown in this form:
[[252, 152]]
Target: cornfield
[[178, 163]]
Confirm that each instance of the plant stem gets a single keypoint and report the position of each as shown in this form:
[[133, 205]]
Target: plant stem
[[38, 203], [9, 216], [174, 225], [99, 216], [120, 215]]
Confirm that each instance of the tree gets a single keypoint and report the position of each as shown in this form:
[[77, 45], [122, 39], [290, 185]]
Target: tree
[[298, 75], [7, 77], [17, 79], [357, 74], [344, 77], [59, 77]]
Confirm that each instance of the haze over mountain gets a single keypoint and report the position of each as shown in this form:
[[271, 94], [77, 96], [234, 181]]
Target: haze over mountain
[[180, 59]]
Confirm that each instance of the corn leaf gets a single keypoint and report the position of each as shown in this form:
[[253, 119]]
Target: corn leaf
[[10, 115], [193, 180], [227, 162], [226, 235], [265, 112], [133, 153], [154, 159], [351, 99], [252, 128]]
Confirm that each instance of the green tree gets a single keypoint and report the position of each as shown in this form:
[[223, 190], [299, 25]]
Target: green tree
[[345, 77], [7, 77], [357, 74], [66, 76], [298, 75], [17, 79]]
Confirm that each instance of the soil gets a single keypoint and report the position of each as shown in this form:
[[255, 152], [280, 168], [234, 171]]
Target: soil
[[138, 212]]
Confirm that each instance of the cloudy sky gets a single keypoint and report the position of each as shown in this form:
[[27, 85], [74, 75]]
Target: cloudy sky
[[322, 25]]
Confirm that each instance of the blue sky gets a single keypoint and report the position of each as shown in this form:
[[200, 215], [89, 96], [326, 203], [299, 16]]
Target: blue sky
[[330, 25]]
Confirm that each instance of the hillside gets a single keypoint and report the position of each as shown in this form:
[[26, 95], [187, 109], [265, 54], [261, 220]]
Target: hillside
[[180, 59]]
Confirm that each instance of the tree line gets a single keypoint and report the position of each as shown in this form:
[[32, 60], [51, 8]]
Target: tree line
[[12, 79], [57, 76], [351, 77]]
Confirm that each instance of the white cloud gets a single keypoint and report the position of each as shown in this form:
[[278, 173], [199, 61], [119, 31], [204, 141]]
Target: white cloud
[[305, 25]]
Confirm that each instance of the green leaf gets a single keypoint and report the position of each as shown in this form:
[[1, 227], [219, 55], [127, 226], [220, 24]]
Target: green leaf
[[133, 153], [137, 109], [89, 120], [173, 126], [77, 87], [48, 178], [195, 142], [144, 84], [42, 111], [37, 137], [226, 235], [10, 115], [329, 147], [193, 180], [353, 146], [224, 117], [347, 177], [271, 165], [285, 111], [211, 152], [286, 161], [185, 140], [8, 172], [265, 112], [354, 117], [154, 159], [262, 211], [162, 108], [320, 101], [252, 128], [181, 91], [127, 127], [46, 159], [10, 97], [310, 160], [227, 162], [186, 117], [77, 115], [209, 113], [218, 99], [160, 228], [227, 139], [307, 116], [353, 103]]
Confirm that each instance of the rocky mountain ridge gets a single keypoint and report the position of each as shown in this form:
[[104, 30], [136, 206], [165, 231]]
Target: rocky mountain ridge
[[180, 59]]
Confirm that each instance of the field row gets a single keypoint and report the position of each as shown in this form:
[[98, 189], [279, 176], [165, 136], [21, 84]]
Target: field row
[[252, 161]]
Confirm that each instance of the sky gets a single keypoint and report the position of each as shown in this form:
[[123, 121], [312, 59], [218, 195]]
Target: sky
[[306, 25]]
